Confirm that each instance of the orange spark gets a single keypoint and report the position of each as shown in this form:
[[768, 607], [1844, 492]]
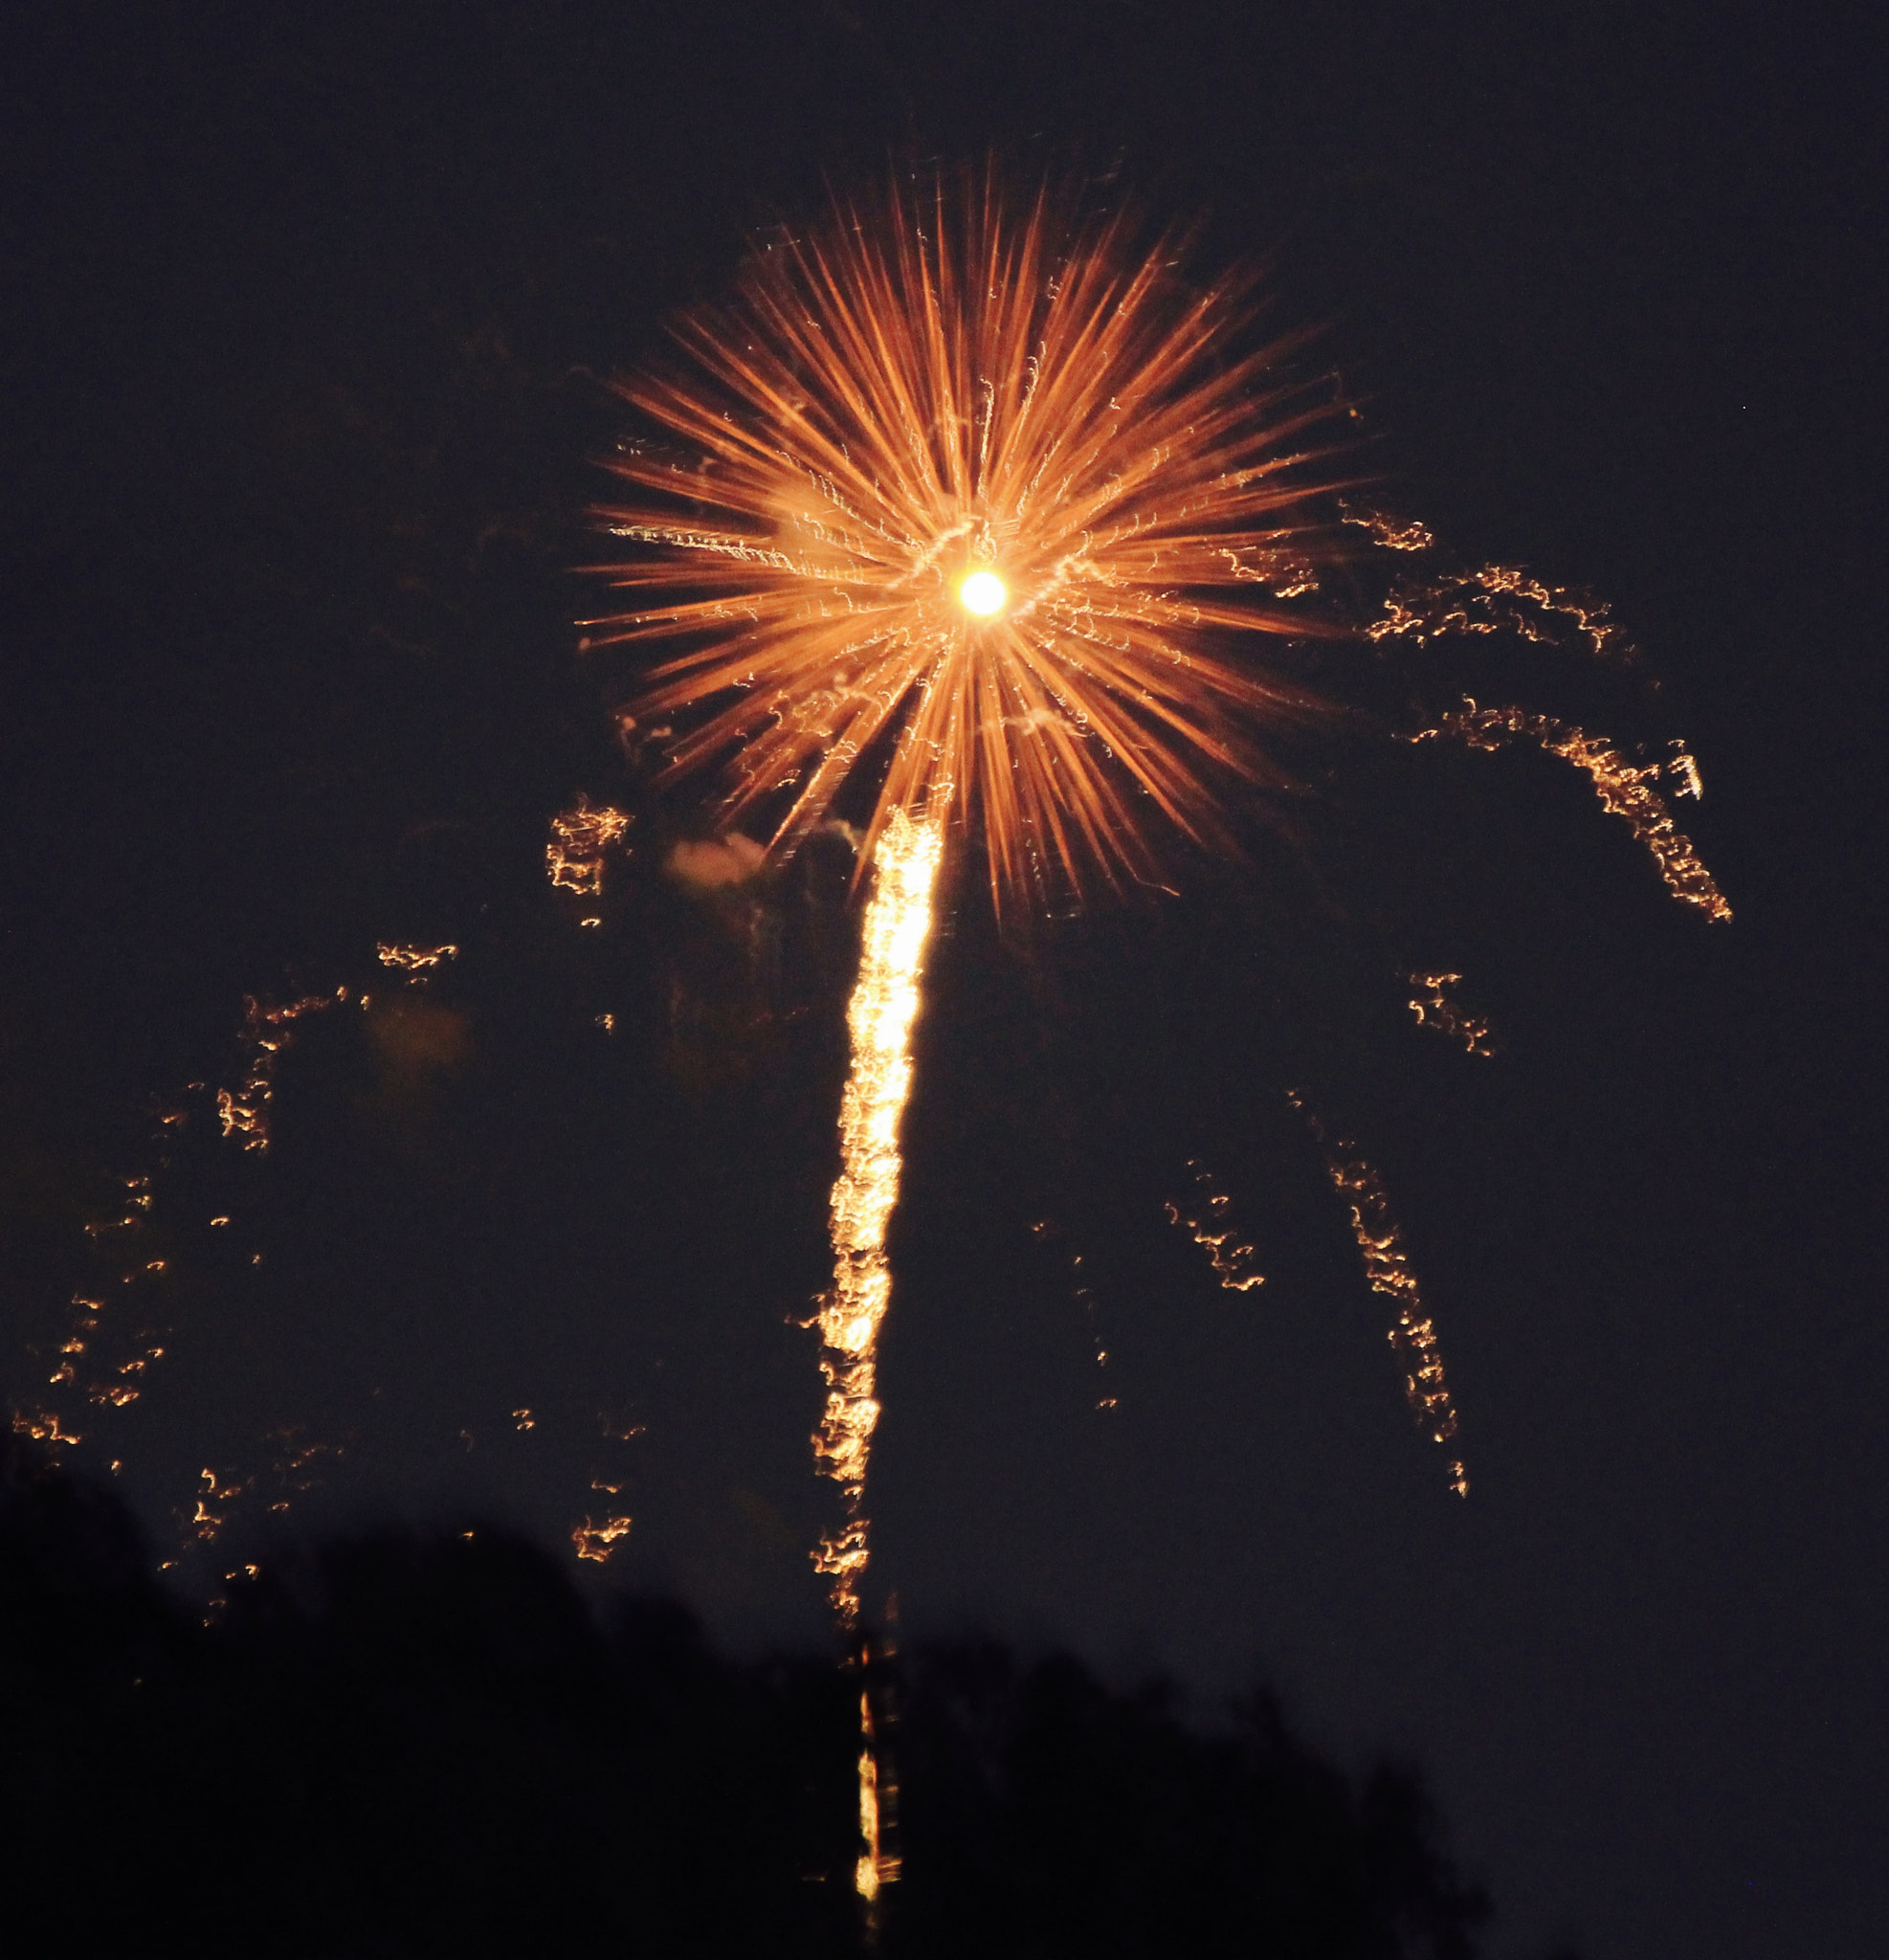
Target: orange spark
[[876, 1866], [1434, 1008], [596, 1539], [414, 960], [1236, 1276], [994, 486]]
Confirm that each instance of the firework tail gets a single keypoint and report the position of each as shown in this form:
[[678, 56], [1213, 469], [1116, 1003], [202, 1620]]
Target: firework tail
[[879, 1017]]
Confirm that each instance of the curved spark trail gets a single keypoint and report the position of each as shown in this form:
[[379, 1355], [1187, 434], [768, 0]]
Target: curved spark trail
[[1620, 785]]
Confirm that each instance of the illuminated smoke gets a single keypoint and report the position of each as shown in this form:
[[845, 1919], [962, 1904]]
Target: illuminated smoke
[[1621, 786]]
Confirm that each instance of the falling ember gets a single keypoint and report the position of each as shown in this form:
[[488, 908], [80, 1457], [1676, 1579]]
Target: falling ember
[[1232, 1260], [44, 1428], [596, 1539], [1434, 1007], [1621, 786], [1494, 598], [879, 1017], [414, 960], [1388, 1272], [581, 839], [244, 1111], [1390, 533]]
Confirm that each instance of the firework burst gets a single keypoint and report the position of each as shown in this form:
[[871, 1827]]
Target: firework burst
[[985, 506], [988, 502]]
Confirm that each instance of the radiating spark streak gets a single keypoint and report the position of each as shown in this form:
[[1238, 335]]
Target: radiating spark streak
[[1621, 786], [1388, 1272], [1433, 1008], [899, 420], [1498, 598], [244, 1111], [879, 1017], [581, 840], [1229, 1262]]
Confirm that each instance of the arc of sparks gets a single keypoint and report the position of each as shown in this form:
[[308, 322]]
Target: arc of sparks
[[1622, 787]]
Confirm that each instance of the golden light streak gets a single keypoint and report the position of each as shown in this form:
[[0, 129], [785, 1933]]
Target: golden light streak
[[1621, 786], [879, 1017], [875, 1867], [1388, 1271], [1433, 1008], [906, 398]]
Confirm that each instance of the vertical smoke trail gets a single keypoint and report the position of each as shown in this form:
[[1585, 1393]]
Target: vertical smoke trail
[[884, 1004]]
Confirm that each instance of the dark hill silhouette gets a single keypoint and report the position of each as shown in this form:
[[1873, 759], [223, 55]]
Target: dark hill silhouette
[[405, 1744]]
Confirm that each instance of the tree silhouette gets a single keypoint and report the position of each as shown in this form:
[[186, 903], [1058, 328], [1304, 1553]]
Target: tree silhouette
[[415, 1744]]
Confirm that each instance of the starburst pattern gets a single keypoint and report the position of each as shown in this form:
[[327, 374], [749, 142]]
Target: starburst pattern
[[990, 502]]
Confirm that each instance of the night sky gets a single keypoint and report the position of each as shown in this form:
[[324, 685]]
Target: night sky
[[308, 318]]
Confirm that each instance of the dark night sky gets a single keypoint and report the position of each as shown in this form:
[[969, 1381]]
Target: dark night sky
[[305, 314]]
